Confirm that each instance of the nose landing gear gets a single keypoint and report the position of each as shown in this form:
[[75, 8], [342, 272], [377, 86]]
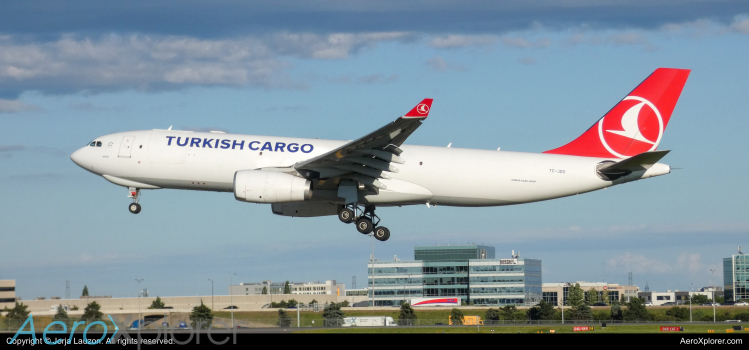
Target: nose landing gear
[[134, 193], [366, 222]]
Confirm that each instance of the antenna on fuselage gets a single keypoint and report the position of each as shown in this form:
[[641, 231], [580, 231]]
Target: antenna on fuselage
[[170, 127]]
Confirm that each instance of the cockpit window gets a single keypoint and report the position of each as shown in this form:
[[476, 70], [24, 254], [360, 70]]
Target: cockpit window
[[92, 144], [98, 143]]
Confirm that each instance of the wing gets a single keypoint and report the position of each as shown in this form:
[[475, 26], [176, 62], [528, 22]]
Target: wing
[[368, 158]]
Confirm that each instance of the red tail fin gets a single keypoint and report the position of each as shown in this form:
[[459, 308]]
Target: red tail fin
[[421, 110], [636, 124]]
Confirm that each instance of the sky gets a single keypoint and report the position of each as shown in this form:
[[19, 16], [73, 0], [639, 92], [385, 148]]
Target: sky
[[521, 75]]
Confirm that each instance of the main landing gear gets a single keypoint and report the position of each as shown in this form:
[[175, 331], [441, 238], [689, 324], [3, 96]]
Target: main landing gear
[[134, 193], [366, 222]]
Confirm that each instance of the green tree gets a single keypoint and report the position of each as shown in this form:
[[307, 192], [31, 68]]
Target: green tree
[[507, 312], [616, 311], [292, 303], [283, 318], [407, 316], [74, 308], [720, 300], [201, 317], [286, 288], [314, 301], [332, 315], [61, 316], [491, 316], [636, 310], [592, 296], [91, 312], [582, 312], [265, 290], [345, 303], [456, 317], [85, 291], [575, 296], [605, 296], [542, 311], [157, 304], [15, 316], [679, 313], [697, 299]]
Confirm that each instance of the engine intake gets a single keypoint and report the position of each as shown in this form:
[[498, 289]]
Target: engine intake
[[262, 186]]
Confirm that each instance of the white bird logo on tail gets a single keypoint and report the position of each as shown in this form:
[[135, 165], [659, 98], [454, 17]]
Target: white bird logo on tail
[[630, 124]]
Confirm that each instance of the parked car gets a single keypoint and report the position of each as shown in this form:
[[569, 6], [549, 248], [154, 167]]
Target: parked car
[[649, 303], [670, 303], [231, 307], [729, 303], [600, 304], [741, 303], [183, 325]]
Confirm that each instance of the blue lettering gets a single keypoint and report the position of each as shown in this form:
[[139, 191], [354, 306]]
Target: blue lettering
[[21, 331], [72, 329], [104, 334], [216, 146], [280, 145], [207, 142], [267, 146], [293, 147], [225, 144], [63, 331], [250, 145], [182, 144], [310, 148], [195, 142], [241, 145], [170, 140]]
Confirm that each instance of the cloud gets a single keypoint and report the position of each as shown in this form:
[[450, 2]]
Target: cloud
[[11, 148], [15, 106], [527, 60], [686, 263], [377, 78], [74, 64], [740, 26], [438, 64], [457, 41], [86, 107]]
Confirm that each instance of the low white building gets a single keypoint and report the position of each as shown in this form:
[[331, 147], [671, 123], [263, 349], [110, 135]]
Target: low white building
[[329, 287]]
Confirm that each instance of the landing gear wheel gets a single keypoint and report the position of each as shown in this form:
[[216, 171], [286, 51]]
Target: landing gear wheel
[[381, 233], [364, 225], [346, 215], [134, 208]]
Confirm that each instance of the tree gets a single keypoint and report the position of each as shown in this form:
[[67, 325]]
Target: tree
[[636, 310], [542, 311], [292, 303], [61, 316], [345, 303], [407, 316], [313, 302], [679, 313], [286, 288], [283, 318], [91, 312], [456, 317], [720, 300], [605, 297], [582, 312], [616, 311], [85, 291], [265, 290], [697, 299], [157, 304], [575, 296], [201, 317], [16, 315], [333, 315], [507, 312], [491, 316], [592, 296], [74, 308]]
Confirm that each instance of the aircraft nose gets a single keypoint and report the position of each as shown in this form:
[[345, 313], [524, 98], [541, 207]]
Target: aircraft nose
[[77, 158]]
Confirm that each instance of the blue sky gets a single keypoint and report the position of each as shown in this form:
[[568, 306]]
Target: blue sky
[[524, 76]]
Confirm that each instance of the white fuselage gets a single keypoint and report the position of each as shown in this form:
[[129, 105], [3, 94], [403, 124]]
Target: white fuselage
[[437, 175]]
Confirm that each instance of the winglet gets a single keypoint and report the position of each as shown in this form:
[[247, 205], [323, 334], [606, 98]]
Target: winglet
[[421, 110]]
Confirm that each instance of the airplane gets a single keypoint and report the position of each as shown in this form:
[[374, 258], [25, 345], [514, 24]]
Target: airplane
[[302, 177]]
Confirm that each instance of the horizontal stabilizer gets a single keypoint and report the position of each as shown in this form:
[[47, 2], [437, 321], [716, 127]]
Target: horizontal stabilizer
[[642, 161]]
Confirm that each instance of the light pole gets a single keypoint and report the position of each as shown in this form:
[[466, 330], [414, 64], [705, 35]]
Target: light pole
[[690, 301], [231, 298], [211, 293], [140, 322], [373, 271]]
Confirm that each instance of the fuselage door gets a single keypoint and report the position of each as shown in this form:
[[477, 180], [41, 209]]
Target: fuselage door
[[126, 146]]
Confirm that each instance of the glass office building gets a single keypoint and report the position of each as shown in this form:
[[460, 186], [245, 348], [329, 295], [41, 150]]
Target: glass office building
[[736, 277], [468, 272]]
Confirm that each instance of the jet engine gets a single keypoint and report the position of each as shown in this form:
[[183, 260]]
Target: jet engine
[[262, 186]]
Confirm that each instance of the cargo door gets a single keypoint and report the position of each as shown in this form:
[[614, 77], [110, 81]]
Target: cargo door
[[126, 146]]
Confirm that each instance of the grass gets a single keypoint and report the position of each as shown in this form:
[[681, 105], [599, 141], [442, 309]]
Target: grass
[[632, 329]]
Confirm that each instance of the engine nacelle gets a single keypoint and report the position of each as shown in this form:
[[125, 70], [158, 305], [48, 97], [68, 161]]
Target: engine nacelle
[[261, 186]]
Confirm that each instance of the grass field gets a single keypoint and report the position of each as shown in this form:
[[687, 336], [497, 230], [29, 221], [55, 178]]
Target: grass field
[[632, 329]]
